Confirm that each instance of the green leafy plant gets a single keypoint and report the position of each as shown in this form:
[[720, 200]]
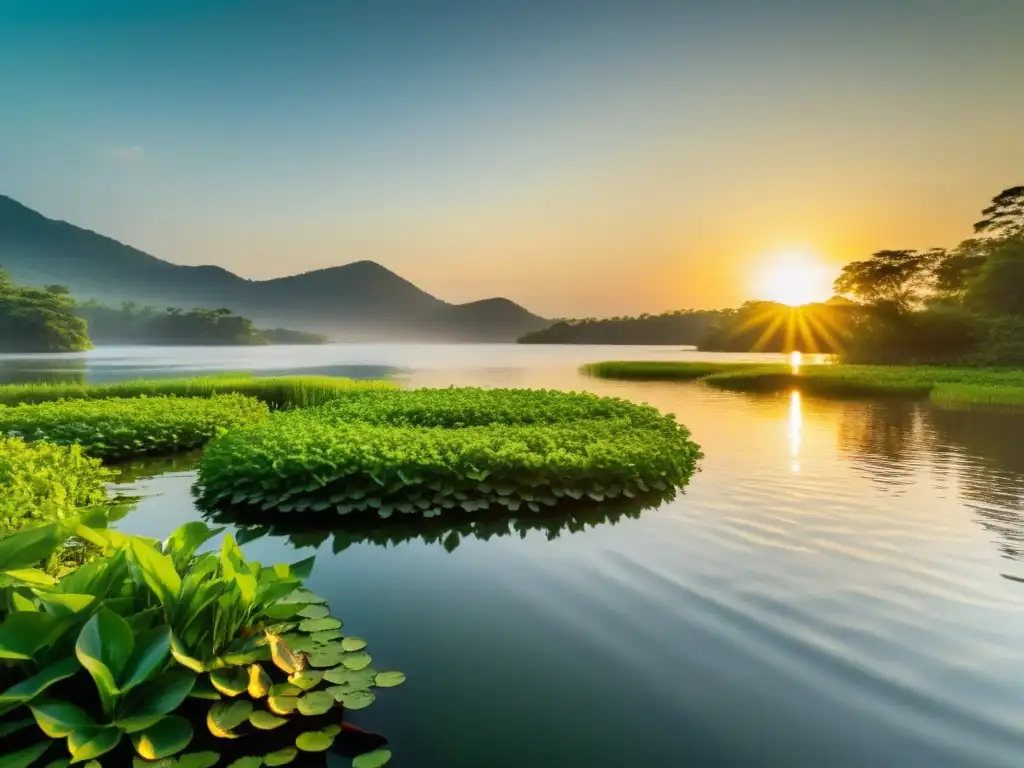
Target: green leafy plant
[[159, 652], [425, 451], [117, 427]]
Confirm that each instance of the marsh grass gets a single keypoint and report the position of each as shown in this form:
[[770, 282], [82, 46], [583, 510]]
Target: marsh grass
[[278, 392], [964, 386]]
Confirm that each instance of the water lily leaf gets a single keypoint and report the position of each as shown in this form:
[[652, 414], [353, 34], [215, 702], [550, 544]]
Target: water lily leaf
[[319, 625], [168, 737], [374, 759], [58, 719], [357, 699], [283, 656], [301, 596], [29, 689], [87, 743], [266, 721], [389, 679], [330, 656], [282, 705], [247, 762], [225, 716], [230, 681], [281, 757], [25, 758], [326, 636], [306, 679], [353, 644], [198, 760], [314, 741], [357, 660], [316, 703], [259, 682], [316, 611], [284, 689]]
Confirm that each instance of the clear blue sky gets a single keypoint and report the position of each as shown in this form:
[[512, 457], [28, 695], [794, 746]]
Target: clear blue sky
[[584, 157]]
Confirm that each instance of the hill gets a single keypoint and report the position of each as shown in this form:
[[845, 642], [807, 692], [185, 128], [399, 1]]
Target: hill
[[352, 302]]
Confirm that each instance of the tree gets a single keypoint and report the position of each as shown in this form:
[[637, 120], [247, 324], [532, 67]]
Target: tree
[[1005, 216], [39, 319], [899, 278], [999, 286], [954, 270]]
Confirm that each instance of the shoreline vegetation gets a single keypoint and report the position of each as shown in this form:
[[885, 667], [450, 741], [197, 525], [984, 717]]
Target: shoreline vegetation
[[947, 385]]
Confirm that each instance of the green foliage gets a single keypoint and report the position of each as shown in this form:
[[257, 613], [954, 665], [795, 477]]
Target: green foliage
[[139, 660], [39, 320], [641, 370], [900, 278], [277, 392], [117, 427], [286, 336], [766, 326], [942, 384], [680, 327], [426, 451], [42, 482], [147, 325], [1005, 214], [998, 288]]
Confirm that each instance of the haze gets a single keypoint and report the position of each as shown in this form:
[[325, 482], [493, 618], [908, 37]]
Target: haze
[[581, 158]]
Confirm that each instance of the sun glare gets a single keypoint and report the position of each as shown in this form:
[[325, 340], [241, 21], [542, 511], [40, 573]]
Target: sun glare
[[795, 279]]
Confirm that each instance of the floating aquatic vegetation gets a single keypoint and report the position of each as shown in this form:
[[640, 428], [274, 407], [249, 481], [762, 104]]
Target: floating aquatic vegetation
[[426, 451]]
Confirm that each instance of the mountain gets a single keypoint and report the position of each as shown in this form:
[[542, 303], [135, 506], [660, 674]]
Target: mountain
[[352, 302]]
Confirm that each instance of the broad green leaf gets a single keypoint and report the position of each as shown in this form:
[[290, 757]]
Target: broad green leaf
[[151, 652], [24, 632], [157, 571], [58, 719], [326, 636], [259, 682], [358, 660], [28, 689], [247, 762], [104, 646], [150, 701], [304, 596], [330, 656], [357, 700], [198, 760], [182, 656], [374, 759], [231, 681], [266, 721], [316, 703], [353, 644], [282, 705], [284, 689], [27, 548], [281, 757], [306, 679], [88, 743], [314, 612], [168, 737], [65, 603], [303, 569], [314, 741], [24, 758], [225, 716], [389, 679], [319, 625], [235, 567], [185, 541], [31, 576]]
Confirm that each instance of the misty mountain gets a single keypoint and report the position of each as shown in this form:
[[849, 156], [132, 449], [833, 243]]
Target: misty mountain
[[352, 302]]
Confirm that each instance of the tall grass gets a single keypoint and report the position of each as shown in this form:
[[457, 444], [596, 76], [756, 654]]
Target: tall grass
[[277, 392], [992, 386]]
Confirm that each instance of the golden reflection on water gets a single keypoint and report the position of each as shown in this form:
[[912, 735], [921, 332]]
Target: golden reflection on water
[[796, 426]]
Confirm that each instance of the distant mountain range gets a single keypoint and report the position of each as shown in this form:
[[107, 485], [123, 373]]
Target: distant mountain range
[[354, 302]]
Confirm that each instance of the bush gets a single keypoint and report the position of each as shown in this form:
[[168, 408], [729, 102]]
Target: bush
[[277, 392], [429, 450], [154, 651], [43, 482], [120, 428]]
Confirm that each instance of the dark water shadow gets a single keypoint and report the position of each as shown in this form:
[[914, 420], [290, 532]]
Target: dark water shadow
[[44, 371]]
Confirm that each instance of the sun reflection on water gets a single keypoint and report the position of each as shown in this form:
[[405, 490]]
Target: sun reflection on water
[[796, 424], [796, 357]]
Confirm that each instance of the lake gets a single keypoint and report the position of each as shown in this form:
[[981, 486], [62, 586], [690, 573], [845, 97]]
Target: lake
[[834, 588]]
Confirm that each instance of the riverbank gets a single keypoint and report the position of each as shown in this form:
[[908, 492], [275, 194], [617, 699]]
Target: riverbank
[[954, 386]]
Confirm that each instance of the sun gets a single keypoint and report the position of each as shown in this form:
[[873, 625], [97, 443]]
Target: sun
[[795, 279]]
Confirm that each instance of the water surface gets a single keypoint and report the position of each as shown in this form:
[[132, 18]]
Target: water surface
[[834, 588]]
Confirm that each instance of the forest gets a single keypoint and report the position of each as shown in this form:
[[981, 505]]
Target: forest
[[39, 319]]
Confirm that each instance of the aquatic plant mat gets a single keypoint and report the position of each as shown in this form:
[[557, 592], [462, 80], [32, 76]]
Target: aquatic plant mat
[[426, 451], [122, 427], [954, 386], [277, 391]]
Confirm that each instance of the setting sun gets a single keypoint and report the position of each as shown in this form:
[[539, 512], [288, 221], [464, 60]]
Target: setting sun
[[795, 279]]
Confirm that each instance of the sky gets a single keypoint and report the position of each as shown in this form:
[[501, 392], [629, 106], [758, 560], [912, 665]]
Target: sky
[[583, 158]]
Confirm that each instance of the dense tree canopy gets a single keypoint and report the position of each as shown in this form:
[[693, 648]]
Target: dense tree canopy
[[899, 278], [39, 319], [1005, 216]]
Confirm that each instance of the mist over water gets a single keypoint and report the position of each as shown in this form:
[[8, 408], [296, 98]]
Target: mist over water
[[835, 587]]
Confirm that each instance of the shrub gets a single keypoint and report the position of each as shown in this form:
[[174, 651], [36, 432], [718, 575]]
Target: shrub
[[425, 451], [156, 651], [118, 428], [42, 482]]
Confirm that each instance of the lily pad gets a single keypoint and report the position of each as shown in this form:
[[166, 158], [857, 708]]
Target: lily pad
[[374, 759], [225, 716], [316, 703], [306, 679], [314, 612], [282, 705], [358, 700], [357, 660], [389, 679], [319, 625], [353, 643], [314, 741], [326, 636], [168, 737], [281, 757], [266, 721], [231, 681]]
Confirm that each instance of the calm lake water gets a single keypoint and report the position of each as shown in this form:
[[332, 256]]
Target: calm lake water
[[834, 588]]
